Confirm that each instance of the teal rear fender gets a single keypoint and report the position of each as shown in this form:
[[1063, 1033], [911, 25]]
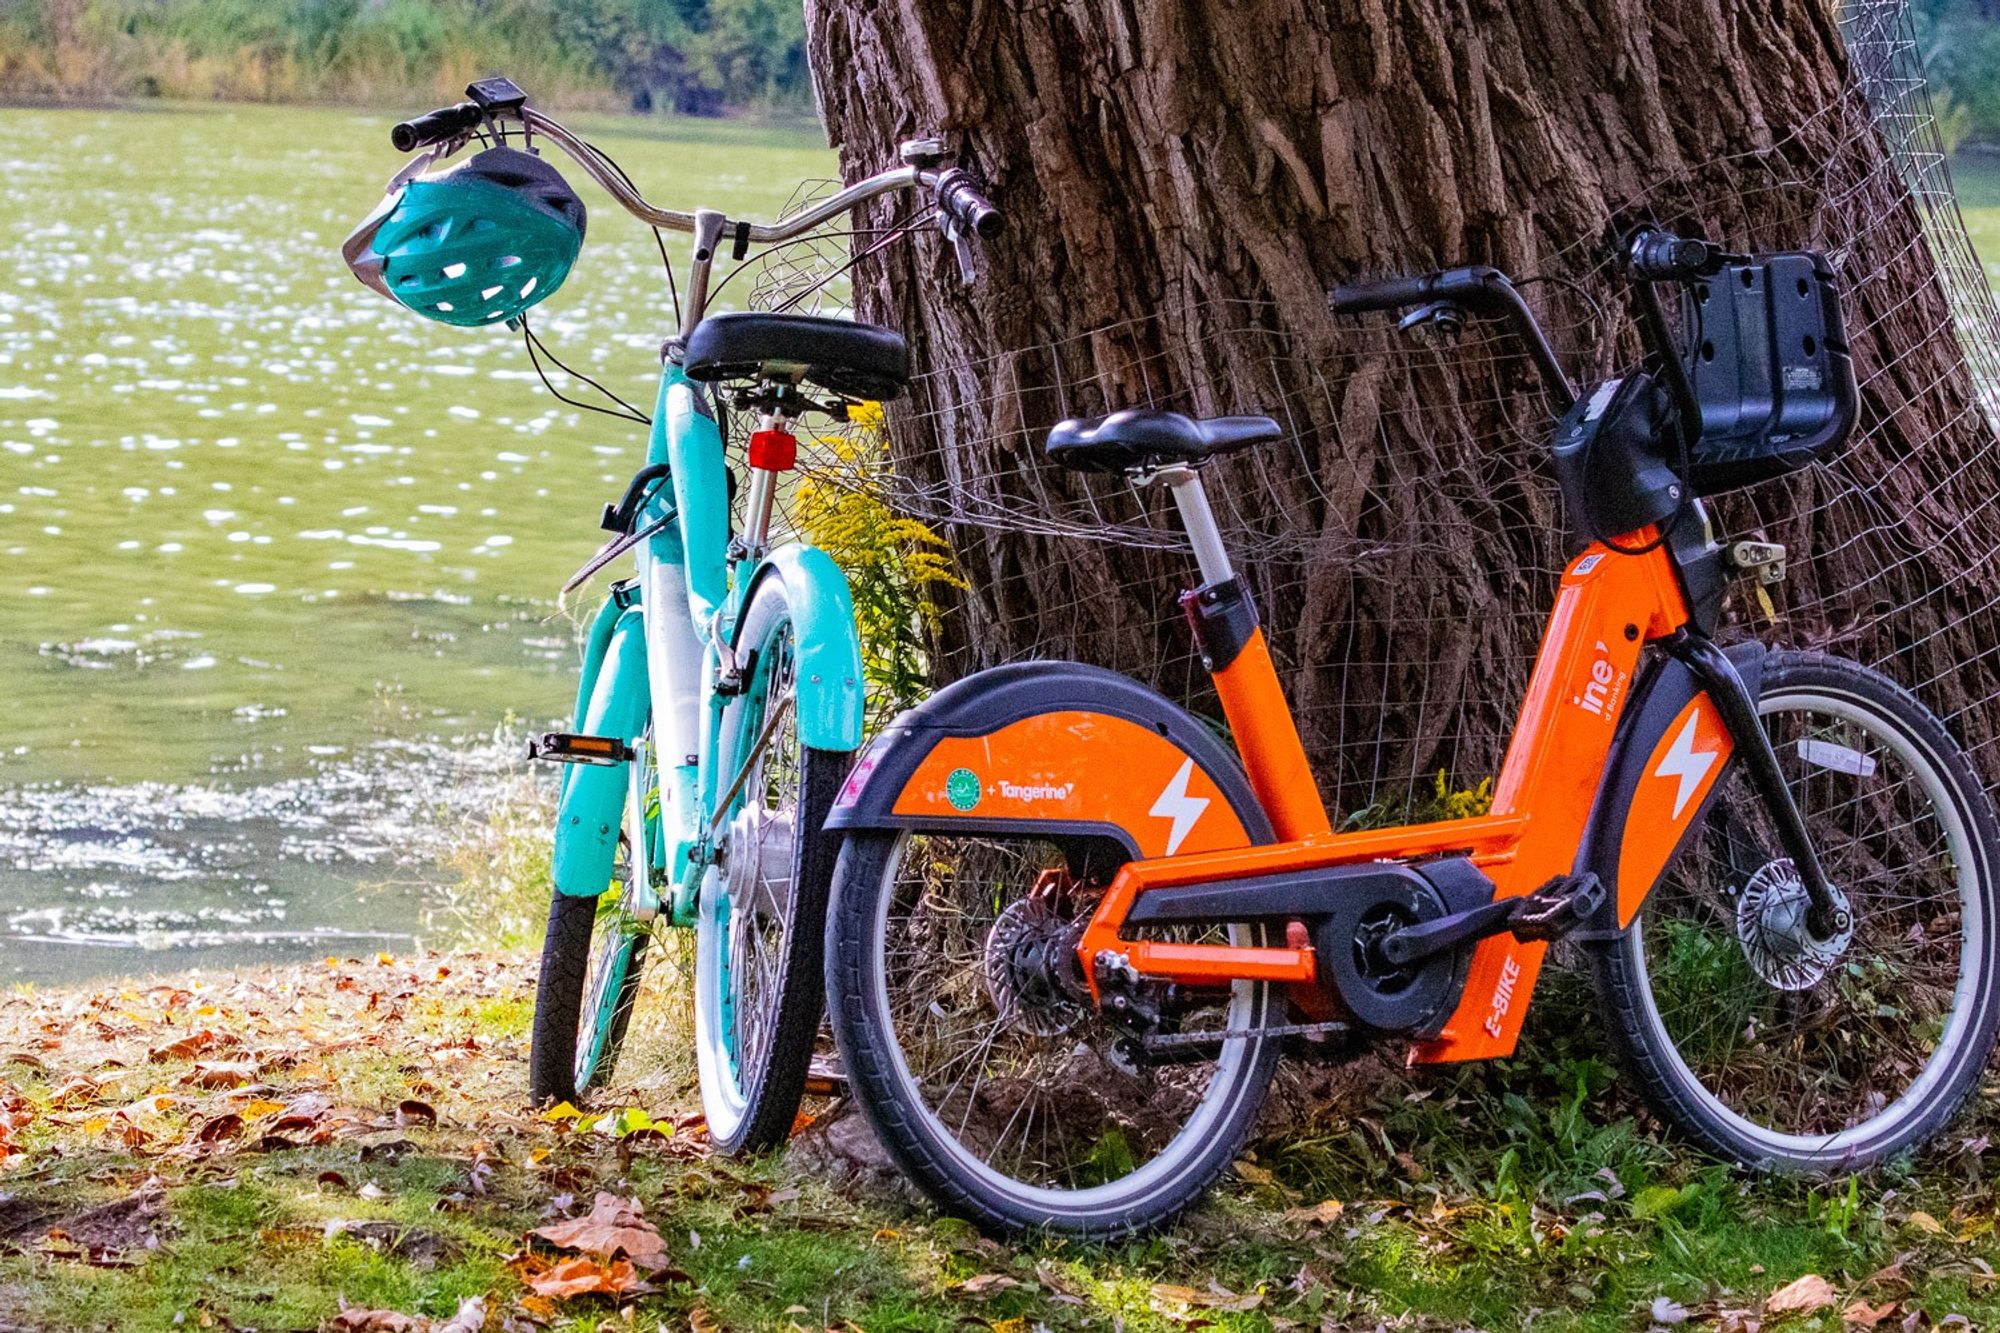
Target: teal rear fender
[[612, 701], [830, 691]]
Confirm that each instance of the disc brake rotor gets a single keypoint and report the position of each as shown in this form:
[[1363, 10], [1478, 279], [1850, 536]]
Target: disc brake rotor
[[1771, 926], [1027, 948]]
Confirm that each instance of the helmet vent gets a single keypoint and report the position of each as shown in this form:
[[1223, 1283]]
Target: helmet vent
[[454, 270], [528, 287], [490, 293], [444, 306], [508, 261]]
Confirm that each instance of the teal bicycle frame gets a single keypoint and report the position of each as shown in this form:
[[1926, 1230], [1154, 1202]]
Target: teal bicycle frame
[[660, 644]]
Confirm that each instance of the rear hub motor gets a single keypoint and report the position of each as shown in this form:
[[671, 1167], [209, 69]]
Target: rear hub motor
[[1772, 925]]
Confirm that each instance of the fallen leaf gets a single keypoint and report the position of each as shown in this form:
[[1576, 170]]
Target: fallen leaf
[[187, 1048], [614, 1226], [1802, 1296], [584, 1276], [1925, 1223], [1321, 1214], [410, 1111], [986, 1284], [225, 1126], [1860, 1314], [221, 1073], [1255, 1174], [469, 1318], [1667, 1311]]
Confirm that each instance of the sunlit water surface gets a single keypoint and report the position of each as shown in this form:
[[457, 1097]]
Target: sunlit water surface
[[277, 559]]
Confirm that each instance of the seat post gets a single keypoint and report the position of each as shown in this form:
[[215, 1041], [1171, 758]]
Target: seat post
[[1210, 555], [1224, 620], [773, 449]]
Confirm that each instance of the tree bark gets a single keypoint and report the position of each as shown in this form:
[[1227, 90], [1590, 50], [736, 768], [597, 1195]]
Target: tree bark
[[1183, 182]]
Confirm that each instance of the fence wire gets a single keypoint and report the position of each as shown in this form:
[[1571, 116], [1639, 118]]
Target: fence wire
[[1361, 552]]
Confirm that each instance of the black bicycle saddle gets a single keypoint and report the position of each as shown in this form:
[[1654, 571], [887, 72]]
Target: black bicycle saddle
[[1142, 438], [852, 359]]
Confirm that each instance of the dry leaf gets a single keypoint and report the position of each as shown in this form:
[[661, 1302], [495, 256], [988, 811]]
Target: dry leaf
[[187, 1048], [221, 1073], [1802, 1296], [1215, 1298], [986, 1284], [1925, 1223], [1667, 1311], [584, 1276], [1861, 1314], [410, 1111], [225, 1126], [1321, 1214], [615, 1226]]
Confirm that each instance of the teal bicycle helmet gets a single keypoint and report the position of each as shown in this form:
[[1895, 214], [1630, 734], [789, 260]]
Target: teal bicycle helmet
[[475, 245]]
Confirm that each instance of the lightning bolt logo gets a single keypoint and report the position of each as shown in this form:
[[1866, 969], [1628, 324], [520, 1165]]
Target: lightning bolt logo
[[1177, 805], [1682, 763]]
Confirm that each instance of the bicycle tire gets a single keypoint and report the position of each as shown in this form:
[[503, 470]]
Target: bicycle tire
[[752, 1080], [914, 1135], [1628, 975]]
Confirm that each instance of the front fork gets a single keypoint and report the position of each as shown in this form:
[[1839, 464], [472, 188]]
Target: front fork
[[1826, 918]]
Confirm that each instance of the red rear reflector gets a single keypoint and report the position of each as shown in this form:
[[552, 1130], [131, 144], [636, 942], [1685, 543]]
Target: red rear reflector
[[774, 450]]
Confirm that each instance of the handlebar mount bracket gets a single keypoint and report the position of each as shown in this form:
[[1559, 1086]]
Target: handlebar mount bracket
[[496, 95]]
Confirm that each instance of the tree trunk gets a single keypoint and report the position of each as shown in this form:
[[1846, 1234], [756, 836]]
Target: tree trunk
[[1183, 181]]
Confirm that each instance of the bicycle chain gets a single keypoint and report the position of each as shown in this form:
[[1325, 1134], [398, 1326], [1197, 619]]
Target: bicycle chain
[[1167, 1040]]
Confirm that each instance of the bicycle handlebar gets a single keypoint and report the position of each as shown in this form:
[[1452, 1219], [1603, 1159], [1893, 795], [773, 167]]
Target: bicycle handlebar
[[957, 194], [960, 198], [435, 127], [1652, 255], [1480, 290], [1461, 285]]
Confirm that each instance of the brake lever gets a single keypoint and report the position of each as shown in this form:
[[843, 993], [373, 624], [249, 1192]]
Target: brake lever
[[968, 264]]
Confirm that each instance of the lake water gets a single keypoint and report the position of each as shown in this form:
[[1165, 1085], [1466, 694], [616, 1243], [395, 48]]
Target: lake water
[[278, 559]]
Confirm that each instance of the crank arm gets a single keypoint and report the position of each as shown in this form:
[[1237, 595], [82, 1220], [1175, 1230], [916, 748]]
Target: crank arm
[[1548, 913]]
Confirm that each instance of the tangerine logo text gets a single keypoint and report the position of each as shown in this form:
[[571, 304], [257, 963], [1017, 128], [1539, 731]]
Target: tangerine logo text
[[1040, 791]]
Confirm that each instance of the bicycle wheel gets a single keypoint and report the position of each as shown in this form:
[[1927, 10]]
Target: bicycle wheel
[[1781, 1051], [593, 957], [989, 1078], [761, 918]]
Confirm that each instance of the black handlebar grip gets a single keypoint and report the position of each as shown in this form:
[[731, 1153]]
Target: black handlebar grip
[[1661, 256], [1355, 298], [960, 196], [435, 127]]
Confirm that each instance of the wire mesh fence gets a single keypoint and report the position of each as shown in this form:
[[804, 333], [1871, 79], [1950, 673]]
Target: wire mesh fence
[[1412, 591]]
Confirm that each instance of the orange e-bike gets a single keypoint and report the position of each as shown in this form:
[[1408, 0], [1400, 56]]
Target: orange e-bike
[[1071, 934]]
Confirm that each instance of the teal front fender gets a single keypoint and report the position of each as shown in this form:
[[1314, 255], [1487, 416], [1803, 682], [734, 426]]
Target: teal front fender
[[611, 701], [830, 691]]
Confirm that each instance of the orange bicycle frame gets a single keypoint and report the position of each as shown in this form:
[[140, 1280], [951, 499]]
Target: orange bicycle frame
[[1609, 607]]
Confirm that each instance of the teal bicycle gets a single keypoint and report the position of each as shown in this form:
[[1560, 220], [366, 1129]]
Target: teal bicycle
[[721, 697]]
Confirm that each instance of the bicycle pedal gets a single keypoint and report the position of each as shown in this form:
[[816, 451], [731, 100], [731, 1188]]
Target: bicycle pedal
[[1556, 908], [825, 1077], [562, 747]]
